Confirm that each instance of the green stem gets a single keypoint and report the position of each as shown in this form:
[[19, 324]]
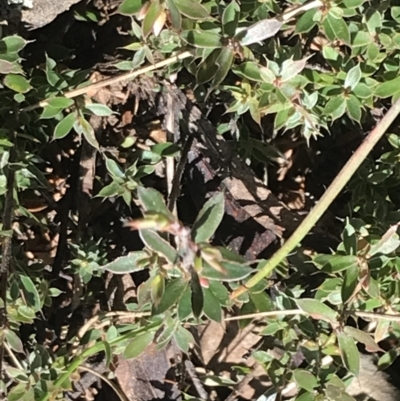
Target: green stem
[[327, 198]]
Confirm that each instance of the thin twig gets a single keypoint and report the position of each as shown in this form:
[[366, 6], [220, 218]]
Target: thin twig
[[110, 81], [195, 380], [121, 395], [327, 198]]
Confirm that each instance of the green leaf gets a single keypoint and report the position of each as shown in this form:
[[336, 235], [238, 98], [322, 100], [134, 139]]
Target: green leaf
[[202, 39], [360, 39], [157, 288], [191, 9], [212, 307], [183, 339], [306, 22], [209, 218], [349, 353], [259, 31], [60, 102], [387, 244], [353, 106], [110, 190], [64, 127], [17, 83], [175, 15], [31, 293], [364, 338], [197, 294], [129, 7], [158, 244], [207, 68], [172, 294], [233, 272], [12, 44], [387, 88], [85, 128], [126, 264], [230, 18], [151, 17], [350, 283], [291, 68], [335, 107], [249, 70], [138, 345], [305, 379], [114, 169], [317, 309], [185, 305], [339, 28], [98, 109], [353, 77], [224, 62], [152, 201], [335, 263], [362, 91], [14, 341], [49, 112]]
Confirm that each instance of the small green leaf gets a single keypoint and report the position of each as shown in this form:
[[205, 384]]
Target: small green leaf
[[259, 31], [360, 39], [114, 169], [157, 289], [14, 341], [31, 292], [387, 88], [64, 127], [191, 9], [175, 15], [138, 345], [350, 283], [233, 272], [185, 305], [151, 17], [364, 338], [224, 62], [172, 294], [349, 353], [110, 190], [305, 379], [84, 127], [12, 44], [387, 244], [126, 264], [335, 107], [306, 22], [353, 77], [197, 294], [335, 263], [209, 218], [159, 245], [207, 68], [98, 109], [339, 28], [249, 70], [362, 91], [183, 339], [291, 68], [17, 83], [316, 309], [230, 18], [353, 106], [212, 307], [60, 102], [49, 112], [152, 201], [202, 39], [130, 7]]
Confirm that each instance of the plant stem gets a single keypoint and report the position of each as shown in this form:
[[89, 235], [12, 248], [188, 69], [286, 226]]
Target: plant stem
[[327, 198]]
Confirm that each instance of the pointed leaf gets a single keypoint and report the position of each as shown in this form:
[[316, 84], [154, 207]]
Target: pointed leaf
[[130, 7], [151, 17], [197, 298], [98, 109], [230, 18], [60, 102], [212, 307], [316, 309], [17, 83], [192, 9], [159, 245], [152, 201], [202, 39], [183, 339], [126, 264], [349, 353], [64, 127], [232, 272], [172, 294], [305, 380], [209, 218], [353, 77], [364, 338], [138, 345], [31, 292]]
